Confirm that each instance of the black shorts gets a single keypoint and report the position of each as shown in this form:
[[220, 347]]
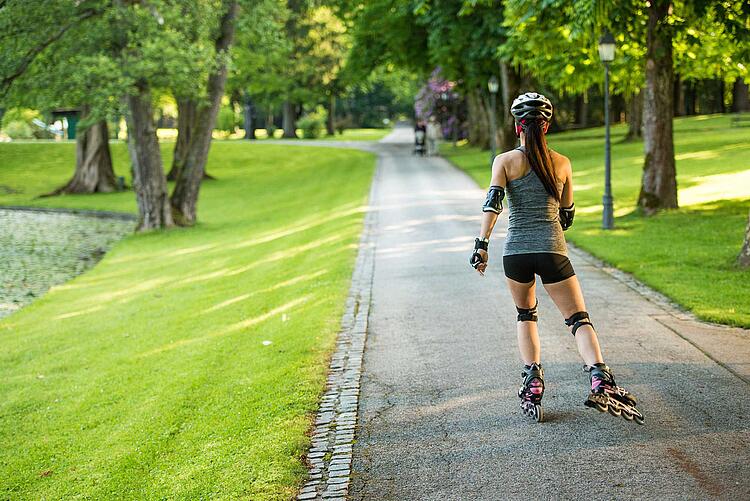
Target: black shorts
[[552, 268]]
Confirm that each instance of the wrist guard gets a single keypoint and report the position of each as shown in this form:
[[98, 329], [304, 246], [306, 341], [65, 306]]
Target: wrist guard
[[476, 258], [494, 202], [566, 216]]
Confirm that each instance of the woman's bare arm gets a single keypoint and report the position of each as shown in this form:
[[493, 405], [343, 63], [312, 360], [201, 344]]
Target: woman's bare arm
[[489, 218], [566, 199]]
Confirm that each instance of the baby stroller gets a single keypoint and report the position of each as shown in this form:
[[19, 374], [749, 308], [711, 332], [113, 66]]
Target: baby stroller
[[420, 134]]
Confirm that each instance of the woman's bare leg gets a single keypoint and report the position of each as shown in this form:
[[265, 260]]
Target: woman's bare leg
[[568, 298], [524, 295]]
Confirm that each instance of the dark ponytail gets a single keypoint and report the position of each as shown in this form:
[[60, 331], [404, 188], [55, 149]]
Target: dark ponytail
[[538, 154]]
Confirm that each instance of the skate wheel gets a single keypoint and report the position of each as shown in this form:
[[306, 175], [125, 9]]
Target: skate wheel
[[628, 416], [615, 411], [538, 413], [639, 419]]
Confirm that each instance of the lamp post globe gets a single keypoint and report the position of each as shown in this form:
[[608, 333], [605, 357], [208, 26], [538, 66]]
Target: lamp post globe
[[607, 55], [493, 86], [607, 47]]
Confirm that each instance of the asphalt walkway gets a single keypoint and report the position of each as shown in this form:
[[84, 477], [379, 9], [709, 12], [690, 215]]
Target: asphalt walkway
[[439, 416]]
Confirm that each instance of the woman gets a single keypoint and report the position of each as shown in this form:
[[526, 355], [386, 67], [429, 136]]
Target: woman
[[433, 134], [538, 182]]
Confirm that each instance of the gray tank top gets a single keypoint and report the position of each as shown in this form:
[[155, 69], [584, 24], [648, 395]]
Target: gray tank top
[[533, 222]]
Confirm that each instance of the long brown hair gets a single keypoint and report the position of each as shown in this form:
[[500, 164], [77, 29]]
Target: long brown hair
[[538, 154]]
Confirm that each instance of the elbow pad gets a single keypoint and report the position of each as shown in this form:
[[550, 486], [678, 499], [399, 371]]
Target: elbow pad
[[494, 202], [566, 216]]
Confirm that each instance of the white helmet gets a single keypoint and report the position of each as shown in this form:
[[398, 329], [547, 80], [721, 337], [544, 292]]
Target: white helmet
[[531, 105]]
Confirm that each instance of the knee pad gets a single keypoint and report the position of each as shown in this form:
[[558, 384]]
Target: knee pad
[[527, 314], [578, 319]]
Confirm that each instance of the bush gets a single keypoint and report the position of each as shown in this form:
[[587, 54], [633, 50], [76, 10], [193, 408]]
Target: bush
[[18, 129], [313, 123], [271, 130], [226, 121]]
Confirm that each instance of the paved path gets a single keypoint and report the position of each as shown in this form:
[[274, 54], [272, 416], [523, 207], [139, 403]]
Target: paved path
[[439, 417]]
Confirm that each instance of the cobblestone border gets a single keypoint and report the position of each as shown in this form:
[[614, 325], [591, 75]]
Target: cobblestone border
[[330, 455]]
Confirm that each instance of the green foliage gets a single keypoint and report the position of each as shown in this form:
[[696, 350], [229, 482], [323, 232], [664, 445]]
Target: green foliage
[[17, 129], [383, 32], [688, 253], [293, 52], [137, 379], [94, 52], [313, 123], [227, 120]]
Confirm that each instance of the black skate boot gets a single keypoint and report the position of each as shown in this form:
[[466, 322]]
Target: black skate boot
[[606, 396], [531, 392]]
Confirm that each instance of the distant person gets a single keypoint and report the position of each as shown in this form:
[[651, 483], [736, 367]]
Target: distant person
[[433, 134], [420, 133], [540, 193]]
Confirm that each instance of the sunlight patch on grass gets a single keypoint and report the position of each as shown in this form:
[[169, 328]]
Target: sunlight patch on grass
[[244, 324], [735, 185]]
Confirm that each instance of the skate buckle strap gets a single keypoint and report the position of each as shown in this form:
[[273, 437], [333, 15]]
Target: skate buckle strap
[[577, 320]]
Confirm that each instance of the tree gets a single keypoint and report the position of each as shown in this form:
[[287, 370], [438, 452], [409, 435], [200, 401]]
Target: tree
[[260, 53], [32, 76], [185, 195]]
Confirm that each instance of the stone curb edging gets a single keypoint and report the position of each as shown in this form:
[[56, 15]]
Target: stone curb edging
[[330, 455]]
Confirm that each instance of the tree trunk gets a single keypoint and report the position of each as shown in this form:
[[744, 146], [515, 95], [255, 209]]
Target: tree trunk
[[248, 110], [93, 172], [184, 198], [149, 181], [478, 122], [186, 116], [690, 97], [510, 79], [679, 96], [740, 96], [635, 116], [289, 121], [659, 183], [330, 130], [582, 110], [743, 260]]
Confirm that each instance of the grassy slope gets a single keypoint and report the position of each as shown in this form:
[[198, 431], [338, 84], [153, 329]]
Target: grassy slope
[[688, 253], [147, 377]]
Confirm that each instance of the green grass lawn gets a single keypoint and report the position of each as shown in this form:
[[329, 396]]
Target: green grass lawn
[[688, 253], [188, 363]]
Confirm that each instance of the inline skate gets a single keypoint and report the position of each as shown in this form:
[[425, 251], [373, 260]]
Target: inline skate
[[531, 392], [606, 396]]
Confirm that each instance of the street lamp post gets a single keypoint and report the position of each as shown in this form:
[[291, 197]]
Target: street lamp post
[[493, 85], [607, 55]]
